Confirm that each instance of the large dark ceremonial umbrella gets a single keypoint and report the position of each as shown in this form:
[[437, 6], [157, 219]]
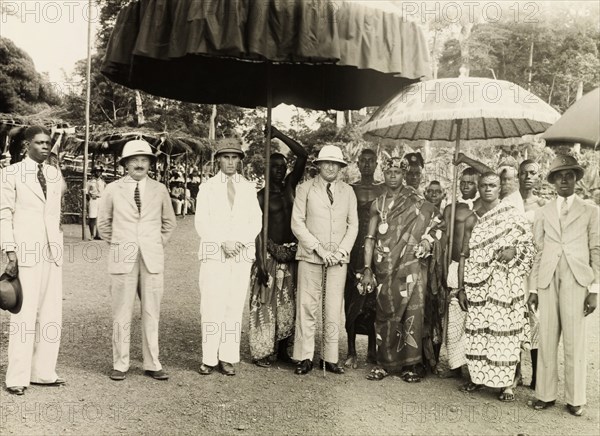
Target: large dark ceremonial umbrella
[[318, 54]]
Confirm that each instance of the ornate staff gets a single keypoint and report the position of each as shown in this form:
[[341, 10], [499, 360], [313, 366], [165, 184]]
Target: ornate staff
[[324, 288]]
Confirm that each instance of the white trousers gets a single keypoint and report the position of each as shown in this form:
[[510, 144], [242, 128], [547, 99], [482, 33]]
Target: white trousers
[[561, 311], [223, 289], [310, 276], [123, 289], [34, 333]]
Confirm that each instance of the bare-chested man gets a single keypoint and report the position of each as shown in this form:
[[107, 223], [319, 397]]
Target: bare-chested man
[[529, 177], [360, 309], [455, 332], [273, 282]]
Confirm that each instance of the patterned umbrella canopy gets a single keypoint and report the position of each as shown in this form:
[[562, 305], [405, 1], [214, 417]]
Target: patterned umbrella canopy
[[579, 124], [458, 109], [488, 109]]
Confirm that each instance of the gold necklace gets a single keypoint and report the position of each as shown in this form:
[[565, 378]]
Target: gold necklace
[[383, 227]]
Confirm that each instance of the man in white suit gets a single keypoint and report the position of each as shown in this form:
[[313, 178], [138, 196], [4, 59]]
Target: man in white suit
[[30, 234], [325, 221], [228, 219], [136, 217], [564, 284]]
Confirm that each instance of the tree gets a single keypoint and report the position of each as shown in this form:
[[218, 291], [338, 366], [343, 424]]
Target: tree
[[22, 88]]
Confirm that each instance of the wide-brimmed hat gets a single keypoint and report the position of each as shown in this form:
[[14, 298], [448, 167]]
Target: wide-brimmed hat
[[11, 294], [331, 153], [565, 162], [229, 145], [137, 147]]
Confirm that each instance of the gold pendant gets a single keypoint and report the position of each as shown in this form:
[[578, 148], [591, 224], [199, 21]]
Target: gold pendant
[[383, 228]]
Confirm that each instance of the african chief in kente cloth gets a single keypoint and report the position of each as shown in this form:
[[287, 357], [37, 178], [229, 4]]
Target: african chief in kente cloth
[[402, 277], [497, 325]]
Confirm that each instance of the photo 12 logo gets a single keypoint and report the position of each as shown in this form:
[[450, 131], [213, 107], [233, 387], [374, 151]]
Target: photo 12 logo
[[53, 12], [469, 11]]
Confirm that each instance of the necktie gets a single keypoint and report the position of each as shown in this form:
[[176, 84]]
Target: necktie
[[329, 193], [137, 198], [564, 210], [230, 192], [41, 178]]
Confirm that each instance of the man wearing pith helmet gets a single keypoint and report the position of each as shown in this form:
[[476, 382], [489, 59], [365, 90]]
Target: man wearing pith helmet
[[228, 219], [136, 218], [564, 284], [325, 221]]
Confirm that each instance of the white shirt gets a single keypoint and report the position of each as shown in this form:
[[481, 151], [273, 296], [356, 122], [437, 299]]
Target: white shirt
[[132, 182], [515, 200], [560, 200], [331, 188]]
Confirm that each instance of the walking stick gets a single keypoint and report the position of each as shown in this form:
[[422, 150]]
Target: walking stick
[[324, 288]]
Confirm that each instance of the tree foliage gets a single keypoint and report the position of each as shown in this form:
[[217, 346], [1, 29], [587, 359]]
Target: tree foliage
[[22, 88]]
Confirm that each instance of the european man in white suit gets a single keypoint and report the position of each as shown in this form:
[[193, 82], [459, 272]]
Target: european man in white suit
[[136, 217], [228, 219], [30, 235], [564, 285], [325, 221]]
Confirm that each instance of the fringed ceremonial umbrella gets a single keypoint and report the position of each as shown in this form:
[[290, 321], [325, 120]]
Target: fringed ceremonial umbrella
[[460, 109], [318, 54]]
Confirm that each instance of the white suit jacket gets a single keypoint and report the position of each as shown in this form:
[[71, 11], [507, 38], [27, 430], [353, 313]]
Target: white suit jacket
[[30, 222], [316, 221], [216, 222], [579, 242], [130, 232]]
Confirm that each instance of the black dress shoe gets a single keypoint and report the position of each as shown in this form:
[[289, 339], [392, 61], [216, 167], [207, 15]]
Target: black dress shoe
[[575, 410], [58, 382], [206, 369], [16, 390], [332, 367], [157, 375], [226, 368], [304, 367], [117, 375]]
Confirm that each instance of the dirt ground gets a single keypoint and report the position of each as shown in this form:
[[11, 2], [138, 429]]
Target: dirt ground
[[257, 400]]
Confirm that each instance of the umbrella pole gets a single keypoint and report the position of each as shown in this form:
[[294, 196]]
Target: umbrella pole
[[185, 176], [87, 127], [265, 229], [454, 183]]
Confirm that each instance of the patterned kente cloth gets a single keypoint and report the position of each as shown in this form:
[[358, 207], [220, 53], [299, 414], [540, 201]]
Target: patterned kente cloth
[[497, 320], [272, 307], [359, 309], [399, 321]]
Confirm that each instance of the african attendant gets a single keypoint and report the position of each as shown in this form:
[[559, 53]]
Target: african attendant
[[273, 280], [456, 318], [494, 263], [359, 305], [529, 176], [403, 229]]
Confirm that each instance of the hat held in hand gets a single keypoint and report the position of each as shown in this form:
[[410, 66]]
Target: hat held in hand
[[11, 294]]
